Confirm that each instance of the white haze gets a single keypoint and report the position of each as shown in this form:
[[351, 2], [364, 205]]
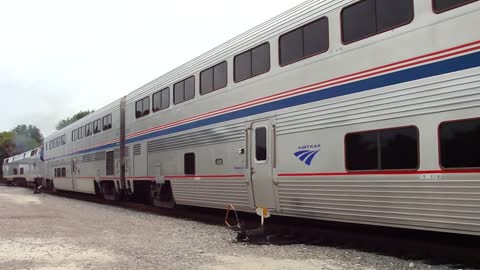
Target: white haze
[[60, 57]]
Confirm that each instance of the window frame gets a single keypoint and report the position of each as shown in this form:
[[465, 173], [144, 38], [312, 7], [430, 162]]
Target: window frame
[[185, 164], [160, 92], [303, 40], [108, 117], [184, 91], [251, 50], [97, 122], [142, 101], [376, 33], [267, 144], [440, 149], [213, 78], [380, 169], [452, 7]]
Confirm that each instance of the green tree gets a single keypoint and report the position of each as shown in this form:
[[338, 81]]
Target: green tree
[[65, 122], [26, 137]]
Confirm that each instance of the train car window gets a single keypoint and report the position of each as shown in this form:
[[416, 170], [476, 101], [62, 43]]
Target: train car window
[[107, 122], [261, 144], [304, 42], [389, 149], [15, 171], [440, 6], [64, 139], [142, 107], [64, 172], [460, 144], [146, 106], [139, 109], [214, 78], [361, 151], [252, 62], [189, 163], [81, 132], [369, 17], [21, 170], [88, 129], [184, 90], [399, 148], [109, 163], [161, 99], [96, 126]]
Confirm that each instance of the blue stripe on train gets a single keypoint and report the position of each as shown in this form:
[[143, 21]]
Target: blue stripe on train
[[407, 75]]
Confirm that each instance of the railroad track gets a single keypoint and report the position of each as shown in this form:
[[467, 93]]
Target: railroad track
[[457, 251]]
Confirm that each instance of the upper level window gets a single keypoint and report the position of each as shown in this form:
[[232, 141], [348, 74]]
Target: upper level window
[[96, 126], [142, 107], [64, 139], [184, 90], [252, 62], [389, 149], [161, 99], [213, 78], [460, 144], [81, 132], [88, 129], [107, 122], [369, 17], [303, 42], [440, 6]]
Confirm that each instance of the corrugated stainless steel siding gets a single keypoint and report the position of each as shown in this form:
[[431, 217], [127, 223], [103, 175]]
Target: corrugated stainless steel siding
[[401, 201], [222, 134], [216, 193], [447, 94]]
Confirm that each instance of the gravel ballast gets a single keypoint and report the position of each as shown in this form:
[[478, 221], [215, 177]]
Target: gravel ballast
[[40, 231]]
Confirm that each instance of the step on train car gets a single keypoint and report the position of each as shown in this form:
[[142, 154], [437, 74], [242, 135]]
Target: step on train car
[[364, 111]]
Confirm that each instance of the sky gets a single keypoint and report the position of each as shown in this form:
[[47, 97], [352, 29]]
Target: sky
[[60, 57]]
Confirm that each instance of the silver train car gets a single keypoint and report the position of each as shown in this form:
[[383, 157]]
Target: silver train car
[[352, 111], [25, 169]]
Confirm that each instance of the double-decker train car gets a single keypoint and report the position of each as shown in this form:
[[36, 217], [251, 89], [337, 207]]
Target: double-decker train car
[[25, 168], [353, 111]]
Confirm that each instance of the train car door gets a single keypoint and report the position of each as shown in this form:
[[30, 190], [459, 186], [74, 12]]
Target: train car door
[[262, 164]]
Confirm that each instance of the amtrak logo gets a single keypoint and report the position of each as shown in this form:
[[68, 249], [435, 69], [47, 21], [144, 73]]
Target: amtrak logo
[[307, 153]]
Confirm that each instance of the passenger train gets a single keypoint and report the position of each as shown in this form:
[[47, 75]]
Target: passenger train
[[364, 111], [24, 169]]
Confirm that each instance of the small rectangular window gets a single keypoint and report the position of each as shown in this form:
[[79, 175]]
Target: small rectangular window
[[161, 99], [15, 171], [261, 144], [64, 139], [64, 172], [96, 126], [252, 63], [460, 144], [189, 163], [81, 132], [369, 17], [21, 171], [107, 122], [304, 42], [184, 90], [142, 107], [109, 163], [440, 6], [213, 78], [88, 129], [389, 149]]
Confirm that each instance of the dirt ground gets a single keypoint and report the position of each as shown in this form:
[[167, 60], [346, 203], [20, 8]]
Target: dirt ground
[[40, 232]]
